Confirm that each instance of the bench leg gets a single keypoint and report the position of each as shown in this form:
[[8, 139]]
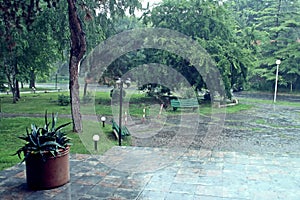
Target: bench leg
[[116, 134]]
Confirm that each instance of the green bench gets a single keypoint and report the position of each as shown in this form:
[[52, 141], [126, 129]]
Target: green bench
[[184, 103], [116, 130]]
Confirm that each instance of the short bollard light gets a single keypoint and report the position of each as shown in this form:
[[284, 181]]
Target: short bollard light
[[103, 119], [96, 140]]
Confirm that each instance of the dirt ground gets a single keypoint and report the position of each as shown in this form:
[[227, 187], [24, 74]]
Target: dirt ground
[[263, 128]]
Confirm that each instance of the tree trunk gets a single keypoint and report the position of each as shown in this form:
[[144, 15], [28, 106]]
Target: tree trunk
[[32, 79], [74, 95], [78, 49], [16, 82], [14, 93], [85, 88], [18, 95], [13, 83]]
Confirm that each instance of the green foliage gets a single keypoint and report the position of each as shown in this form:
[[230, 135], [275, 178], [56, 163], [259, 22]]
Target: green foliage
[[44, 140], [271, 29], [63, 100], [11, 129], [3, 88], [213, 27]]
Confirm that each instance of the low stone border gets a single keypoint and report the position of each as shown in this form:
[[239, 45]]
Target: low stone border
[[218, 105]]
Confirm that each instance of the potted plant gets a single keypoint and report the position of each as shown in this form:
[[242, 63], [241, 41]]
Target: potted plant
[[46, 155]]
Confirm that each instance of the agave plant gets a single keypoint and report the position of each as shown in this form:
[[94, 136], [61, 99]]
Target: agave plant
[[45, 140]]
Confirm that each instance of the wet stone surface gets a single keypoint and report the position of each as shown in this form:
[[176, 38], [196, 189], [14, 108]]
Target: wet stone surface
[[263, 128]]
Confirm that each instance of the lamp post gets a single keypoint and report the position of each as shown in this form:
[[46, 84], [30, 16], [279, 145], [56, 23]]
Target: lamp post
[[56, 81], [103, 119], [276, 79], [120, 82], [96, 139]]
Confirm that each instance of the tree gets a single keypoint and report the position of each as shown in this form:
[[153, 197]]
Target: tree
[[21, 52], [16, 14], [210, 24], [274, 26], [77, 51], [40, 48], [29, 51]]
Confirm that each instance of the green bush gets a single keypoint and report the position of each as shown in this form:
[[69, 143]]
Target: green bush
[[63, 100]]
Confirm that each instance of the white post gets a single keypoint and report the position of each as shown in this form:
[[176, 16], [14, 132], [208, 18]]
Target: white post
[[125, 118], [276, 79], [144, 115], [160, 110]]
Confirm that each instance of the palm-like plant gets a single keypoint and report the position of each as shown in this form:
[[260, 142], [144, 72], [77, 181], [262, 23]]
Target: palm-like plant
[[49, 139]]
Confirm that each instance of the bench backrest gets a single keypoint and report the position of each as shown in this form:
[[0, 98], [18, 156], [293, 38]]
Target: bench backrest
[[184, 102], [125, 131]]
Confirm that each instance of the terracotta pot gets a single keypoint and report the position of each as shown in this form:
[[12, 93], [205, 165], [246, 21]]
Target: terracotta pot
[[51, 173]]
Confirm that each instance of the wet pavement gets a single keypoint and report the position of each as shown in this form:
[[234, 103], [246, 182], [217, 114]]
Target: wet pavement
[[264, 128], [196, 174]]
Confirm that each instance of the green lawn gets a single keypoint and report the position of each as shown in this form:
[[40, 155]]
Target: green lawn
[[37, 103], [263, 101], [33, 104], [11, 128]]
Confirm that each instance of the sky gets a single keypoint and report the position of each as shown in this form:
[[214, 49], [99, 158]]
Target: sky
[[151, 2]]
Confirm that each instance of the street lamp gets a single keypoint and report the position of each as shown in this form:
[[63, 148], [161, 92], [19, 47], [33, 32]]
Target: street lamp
[[276, 79], [103, 119], [56, 81], [120, 82], [96, 139]]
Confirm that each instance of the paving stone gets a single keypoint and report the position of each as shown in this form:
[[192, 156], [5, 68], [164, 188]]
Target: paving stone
[[196, 175], [158, 186], [150, 195], [204, 190], [179, 196]]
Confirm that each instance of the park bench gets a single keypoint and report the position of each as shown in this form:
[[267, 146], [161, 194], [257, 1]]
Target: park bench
[[116, 129], [184, 103]]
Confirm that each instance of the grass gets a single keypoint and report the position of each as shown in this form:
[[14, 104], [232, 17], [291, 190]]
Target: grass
[[26, 89], [101, 104], [264, 101], [11, 128], [234, 109], [31, 103], [207, 109], [260, 121]]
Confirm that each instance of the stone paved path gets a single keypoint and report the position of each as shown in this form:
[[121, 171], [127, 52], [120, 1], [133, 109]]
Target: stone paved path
[[196, 174]]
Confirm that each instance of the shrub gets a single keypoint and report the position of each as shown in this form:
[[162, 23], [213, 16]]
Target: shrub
[[44, 140], [63, 100]]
